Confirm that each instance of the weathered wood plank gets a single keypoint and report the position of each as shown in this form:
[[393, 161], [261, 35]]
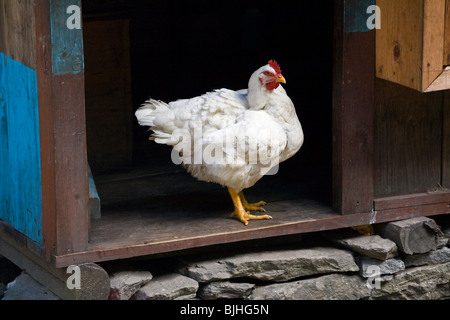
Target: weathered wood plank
[[67, 50], [353, 114], [447, 34], [63, 130], [410, 200], [17, 31], [20, 183], [46, 125], [410, 45], [433, 41], [94, 281], [408, 139], [71, 169]]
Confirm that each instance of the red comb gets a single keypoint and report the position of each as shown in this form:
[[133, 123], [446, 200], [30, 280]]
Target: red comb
[[275, 66]]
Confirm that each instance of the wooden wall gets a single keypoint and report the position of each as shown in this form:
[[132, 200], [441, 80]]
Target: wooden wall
[[20, 165], [412, 140]]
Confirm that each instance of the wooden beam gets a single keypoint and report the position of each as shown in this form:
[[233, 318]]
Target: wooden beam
[[62, 129], [17, 25], [411, 200], [46, 125], [446, 61], [353, 108], [94, 281]]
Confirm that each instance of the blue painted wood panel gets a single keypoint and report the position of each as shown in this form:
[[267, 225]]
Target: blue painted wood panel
[[67, 43], [20, 166], [356, 16]]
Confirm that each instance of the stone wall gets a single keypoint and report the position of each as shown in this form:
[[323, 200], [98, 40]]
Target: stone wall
[[330, 265], [408, 259]]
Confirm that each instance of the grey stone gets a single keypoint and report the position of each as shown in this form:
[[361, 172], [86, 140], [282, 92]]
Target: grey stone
[[124, 284], [386, 267], [330, 287], [415, 235], [432, 257], [26, 288], [225, 290], [419, 283], [442, 242], [370, 246], [277, 266], [171, 286]]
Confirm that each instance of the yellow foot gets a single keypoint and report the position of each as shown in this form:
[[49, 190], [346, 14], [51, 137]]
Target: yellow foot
[[245, 216], [258, 206], [240, 210], [366, 230]]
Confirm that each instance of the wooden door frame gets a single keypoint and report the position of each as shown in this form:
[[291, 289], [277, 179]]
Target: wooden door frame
[[65, 190]]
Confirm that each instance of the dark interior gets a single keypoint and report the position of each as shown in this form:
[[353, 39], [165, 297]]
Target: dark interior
[[181, 49]]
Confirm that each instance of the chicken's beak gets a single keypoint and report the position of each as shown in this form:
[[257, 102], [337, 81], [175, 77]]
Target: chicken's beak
[[281, 79]]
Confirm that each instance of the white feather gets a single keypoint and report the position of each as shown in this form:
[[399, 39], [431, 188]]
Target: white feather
[[236, 135]]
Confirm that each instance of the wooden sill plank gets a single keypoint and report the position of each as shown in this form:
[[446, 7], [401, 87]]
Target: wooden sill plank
[[138, 234], [411, 200]]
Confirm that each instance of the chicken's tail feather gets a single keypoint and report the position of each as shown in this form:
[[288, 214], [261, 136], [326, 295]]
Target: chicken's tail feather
[[156, 114], [148, 112]]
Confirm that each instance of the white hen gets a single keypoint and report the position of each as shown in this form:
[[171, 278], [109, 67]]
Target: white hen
[[230, 137]]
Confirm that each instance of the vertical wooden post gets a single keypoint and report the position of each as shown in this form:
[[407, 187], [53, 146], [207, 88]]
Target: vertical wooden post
[[63, 129], [353, 107]]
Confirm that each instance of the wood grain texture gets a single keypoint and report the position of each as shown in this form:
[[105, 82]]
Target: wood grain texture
[[71, 169], [433, 41], [46, 125], [411, 200], [67, 44], [353, 116], [17, 31], [408, 139], [446, 61], [410, 45], [20, 171], [63, 130]]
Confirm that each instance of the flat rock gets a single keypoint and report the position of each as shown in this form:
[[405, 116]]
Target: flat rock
[[277, 266], [329, 287], [386, 267], [26, 288], [432, 257], [171, 286], [419, 283], [415, 235], [124, 284], [225, 290], [371, 246]]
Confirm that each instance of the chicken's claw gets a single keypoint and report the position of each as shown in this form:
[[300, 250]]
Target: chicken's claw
[[242, 208]]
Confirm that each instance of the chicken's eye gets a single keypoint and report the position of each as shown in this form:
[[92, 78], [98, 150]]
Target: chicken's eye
[[267, 73]]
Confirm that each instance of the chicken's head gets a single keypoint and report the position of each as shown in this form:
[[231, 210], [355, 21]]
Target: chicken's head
[[270, 75]]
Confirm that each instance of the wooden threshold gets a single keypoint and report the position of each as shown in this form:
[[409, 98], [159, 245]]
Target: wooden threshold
[[412, 200], [149, 213], [141, 234]]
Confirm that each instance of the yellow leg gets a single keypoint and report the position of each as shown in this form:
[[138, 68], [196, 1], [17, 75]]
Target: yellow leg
[[252, 206], [240, 213], [366, 230]]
